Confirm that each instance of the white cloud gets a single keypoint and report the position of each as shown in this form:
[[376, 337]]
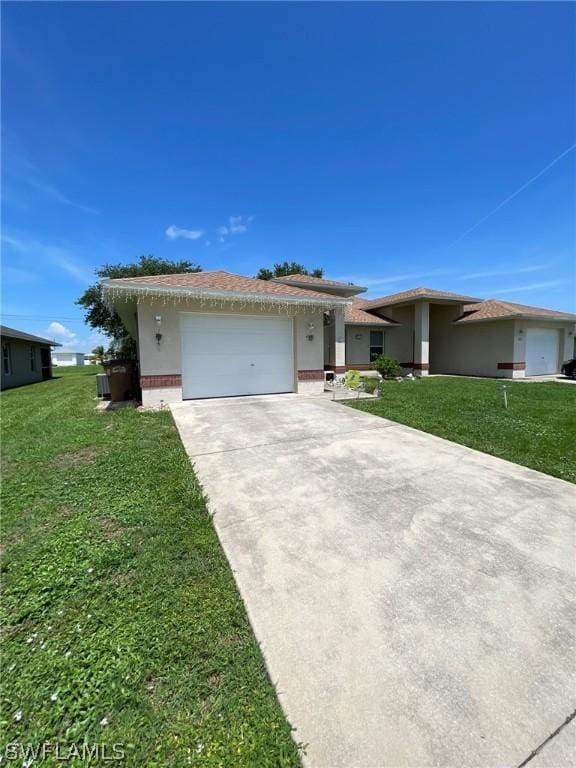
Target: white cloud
[[60, 197], [59, 331], [505, 271], [174, 233], [236, 225], [60, 257], [530, 287], [384, 280]]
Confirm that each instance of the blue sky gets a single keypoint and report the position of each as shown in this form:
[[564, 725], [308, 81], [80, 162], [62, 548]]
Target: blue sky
[[375, 140]]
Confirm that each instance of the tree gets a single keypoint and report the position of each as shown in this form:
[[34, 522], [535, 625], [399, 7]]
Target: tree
[[98, 315], [99, 353], [287, 268]]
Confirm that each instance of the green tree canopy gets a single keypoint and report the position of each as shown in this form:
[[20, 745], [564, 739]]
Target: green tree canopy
[[287, 268], [99, 352], [97, 314]]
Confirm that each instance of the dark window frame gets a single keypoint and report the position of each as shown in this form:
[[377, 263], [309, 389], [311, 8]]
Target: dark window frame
[[6, 358], [376, 348]]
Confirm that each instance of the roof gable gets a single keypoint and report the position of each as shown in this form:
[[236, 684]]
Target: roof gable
[[414, 294], [355, 314]]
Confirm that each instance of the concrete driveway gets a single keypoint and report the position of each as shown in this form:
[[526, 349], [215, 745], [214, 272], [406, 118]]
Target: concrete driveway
[[414, 599]]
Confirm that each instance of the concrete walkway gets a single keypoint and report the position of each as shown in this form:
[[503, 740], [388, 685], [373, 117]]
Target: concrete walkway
[[414, 599]]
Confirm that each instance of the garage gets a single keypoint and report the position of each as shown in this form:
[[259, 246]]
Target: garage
[[227, 355], [542, 351]]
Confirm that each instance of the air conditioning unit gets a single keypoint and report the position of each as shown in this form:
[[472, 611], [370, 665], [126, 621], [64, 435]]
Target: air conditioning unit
[[102, 388]]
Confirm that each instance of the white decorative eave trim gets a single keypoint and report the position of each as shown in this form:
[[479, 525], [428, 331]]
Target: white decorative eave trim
[[116, 289]]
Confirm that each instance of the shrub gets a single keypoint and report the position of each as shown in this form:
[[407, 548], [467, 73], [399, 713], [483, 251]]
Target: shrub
[[386, 366], [370, 385], [352, 379]]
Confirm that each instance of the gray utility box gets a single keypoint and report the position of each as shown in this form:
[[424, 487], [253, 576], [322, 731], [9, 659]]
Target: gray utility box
[[102, 387]]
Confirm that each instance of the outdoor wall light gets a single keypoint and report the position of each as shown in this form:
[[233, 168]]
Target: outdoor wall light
[[158, 320], [357, 336], [310, 326]]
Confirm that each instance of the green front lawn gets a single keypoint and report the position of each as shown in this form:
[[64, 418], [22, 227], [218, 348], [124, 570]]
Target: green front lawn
[[538, 430], [122, 621]]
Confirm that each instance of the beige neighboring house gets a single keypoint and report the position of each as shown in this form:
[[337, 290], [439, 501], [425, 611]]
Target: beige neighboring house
[[25, 358], [215, 334]]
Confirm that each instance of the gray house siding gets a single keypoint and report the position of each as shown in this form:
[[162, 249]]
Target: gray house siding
[[24, 364]]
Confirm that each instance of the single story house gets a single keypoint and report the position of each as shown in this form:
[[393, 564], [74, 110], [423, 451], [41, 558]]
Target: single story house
[[215, 334], [62, 358], [25, 358]]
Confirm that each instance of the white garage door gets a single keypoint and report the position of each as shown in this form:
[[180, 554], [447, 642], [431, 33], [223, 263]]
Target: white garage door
[[541, 351], [225, 355]]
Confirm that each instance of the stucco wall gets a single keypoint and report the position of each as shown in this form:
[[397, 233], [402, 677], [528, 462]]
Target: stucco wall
[[565, 344], [476, 349], [358, 349], [164, 358], [400, 340], [473, 350], [21, 373]]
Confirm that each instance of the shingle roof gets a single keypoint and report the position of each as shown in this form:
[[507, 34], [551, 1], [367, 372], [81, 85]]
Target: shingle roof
[[12, 333], [355, 315], [224, 282], [318, 281], [494, 309], [418, 293]]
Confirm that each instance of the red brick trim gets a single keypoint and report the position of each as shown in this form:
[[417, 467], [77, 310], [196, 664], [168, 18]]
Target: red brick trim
[[511, 366], [339, 368], [163, 380], [421, 366], [310, 375], [358, 367]]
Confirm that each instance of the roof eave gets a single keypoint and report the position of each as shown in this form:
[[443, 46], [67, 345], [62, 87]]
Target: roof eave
[[515, 316], [332, 288], [430, 299], [206, 294]]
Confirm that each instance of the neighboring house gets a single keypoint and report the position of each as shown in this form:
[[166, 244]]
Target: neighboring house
[[25, 358], [215, 334], [67, 358], [90, 359]]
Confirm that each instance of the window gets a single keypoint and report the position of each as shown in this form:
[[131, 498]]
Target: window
[[376, 344], [32, 358], [6, 359]]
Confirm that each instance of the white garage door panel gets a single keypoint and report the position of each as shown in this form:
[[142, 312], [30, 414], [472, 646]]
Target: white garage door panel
[[225, 355], [541, 351]]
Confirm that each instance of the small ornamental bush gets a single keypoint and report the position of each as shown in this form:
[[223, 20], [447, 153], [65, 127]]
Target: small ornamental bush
[[387, 367], [352, 379]]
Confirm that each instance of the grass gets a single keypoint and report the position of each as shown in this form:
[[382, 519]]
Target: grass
[[537, 430], [122, 621]]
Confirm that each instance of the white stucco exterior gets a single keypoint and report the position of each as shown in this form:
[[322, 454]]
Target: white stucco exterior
[[163, 358], [426, 332]]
